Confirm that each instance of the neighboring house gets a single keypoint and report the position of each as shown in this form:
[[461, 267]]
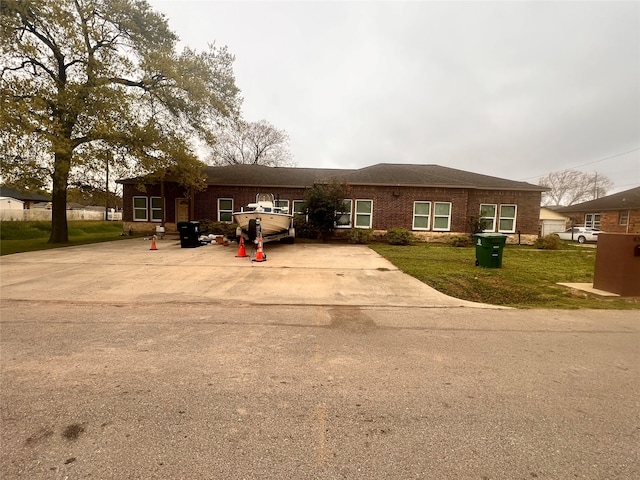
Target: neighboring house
[[430, 200], [616, 213], [11, 209], [551, 221], [30, 200], [10, 203], [18, 206]]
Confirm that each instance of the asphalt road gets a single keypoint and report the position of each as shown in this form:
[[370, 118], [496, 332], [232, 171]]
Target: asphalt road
[[323, 362]]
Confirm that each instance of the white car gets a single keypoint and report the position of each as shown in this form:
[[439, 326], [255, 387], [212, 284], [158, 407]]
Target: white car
[[580, 234]]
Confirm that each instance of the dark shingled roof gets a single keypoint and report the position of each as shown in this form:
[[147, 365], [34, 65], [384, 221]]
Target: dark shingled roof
[[618, 201], [25, 196], [432, 176], [382, 174], [258, 175]]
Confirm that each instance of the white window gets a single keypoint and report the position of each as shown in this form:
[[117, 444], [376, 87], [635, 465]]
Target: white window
[[364, 214], [421, 215], [507, 222], [156, 209], [592, 220], [344, 216], [283, 205], [225, 210], [140, 209], [488, 217], [624, 217], [299, 207], [442, 216]]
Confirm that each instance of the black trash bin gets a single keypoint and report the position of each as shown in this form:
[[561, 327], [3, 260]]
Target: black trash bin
[[189, 233], [489, 249]]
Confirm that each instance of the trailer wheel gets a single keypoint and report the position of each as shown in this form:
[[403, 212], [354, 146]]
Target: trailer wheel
[[252, 230]]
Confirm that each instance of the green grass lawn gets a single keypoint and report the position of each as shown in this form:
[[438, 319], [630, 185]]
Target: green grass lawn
[[16, 237], [528, 277]]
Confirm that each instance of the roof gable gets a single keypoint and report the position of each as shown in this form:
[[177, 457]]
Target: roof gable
[[549, 214]]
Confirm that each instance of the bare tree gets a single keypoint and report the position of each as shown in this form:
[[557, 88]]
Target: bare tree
[[251, 143], [572, 186]]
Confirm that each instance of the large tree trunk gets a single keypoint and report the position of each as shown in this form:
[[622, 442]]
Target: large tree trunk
[[59, 229]]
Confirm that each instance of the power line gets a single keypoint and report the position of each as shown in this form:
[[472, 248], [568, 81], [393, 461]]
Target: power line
[[584, 164]]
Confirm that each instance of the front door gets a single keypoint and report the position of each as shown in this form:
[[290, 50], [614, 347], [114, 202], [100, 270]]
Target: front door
[[182, 210]]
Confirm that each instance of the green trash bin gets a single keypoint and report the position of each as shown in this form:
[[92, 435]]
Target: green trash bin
[[489, 248]]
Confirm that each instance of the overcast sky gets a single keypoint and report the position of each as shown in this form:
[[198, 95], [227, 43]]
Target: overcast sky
[[509, 89]]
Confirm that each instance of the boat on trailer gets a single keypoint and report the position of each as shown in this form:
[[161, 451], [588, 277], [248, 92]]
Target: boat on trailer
[[264, 218]]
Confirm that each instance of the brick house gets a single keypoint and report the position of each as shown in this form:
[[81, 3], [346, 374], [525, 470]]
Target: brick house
[[616, 213], [431, 200]]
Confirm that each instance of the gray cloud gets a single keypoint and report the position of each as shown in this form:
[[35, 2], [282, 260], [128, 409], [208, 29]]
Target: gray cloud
[[512, 89]]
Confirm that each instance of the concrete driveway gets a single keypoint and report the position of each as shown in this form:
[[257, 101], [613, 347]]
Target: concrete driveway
[[128, 271], [324, 362]]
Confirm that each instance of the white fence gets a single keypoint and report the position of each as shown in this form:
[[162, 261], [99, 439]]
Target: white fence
[[43, 214]]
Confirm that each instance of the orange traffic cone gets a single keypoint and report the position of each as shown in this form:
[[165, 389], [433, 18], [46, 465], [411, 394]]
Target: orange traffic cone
[[260, 256], [241, 251], [153, 243]]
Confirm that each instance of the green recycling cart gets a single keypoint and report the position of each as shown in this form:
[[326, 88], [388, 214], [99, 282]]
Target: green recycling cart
[[489, 248]]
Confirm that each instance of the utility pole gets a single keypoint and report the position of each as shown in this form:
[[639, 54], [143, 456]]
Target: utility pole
[[595, 187], [106, 188]]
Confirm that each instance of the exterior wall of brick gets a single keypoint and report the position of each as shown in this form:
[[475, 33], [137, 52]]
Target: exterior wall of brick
[[206, 203], [172, 191], [610, 220], [528, 207], [392, 206]]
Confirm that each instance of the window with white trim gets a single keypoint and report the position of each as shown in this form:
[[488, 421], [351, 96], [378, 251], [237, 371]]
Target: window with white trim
[[624, 217], [507, 221], [283, 205], [140, 213], [592, 220], [225, 209], [364, 214], [442, 216], [421, 215], [299, 207], [156, 209], [488, 216], [344, 216]]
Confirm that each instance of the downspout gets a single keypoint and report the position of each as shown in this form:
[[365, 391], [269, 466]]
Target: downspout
[[164, 213], [192, 208], [106, 189]]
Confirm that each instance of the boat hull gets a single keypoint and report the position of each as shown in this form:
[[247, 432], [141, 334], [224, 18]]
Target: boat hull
[[270, 223]]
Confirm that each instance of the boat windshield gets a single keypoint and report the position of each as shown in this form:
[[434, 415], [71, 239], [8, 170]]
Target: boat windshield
[[264, 198]]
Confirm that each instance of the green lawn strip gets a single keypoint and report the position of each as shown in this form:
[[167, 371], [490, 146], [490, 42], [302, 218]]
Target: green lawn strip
[[16, 237], [528, 277]]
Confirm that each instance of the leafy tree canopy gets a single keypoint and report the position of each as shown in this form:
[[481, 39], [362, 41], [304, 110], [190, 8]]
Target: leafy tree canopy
[[324, 203], [87, 80], [88, 195]]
